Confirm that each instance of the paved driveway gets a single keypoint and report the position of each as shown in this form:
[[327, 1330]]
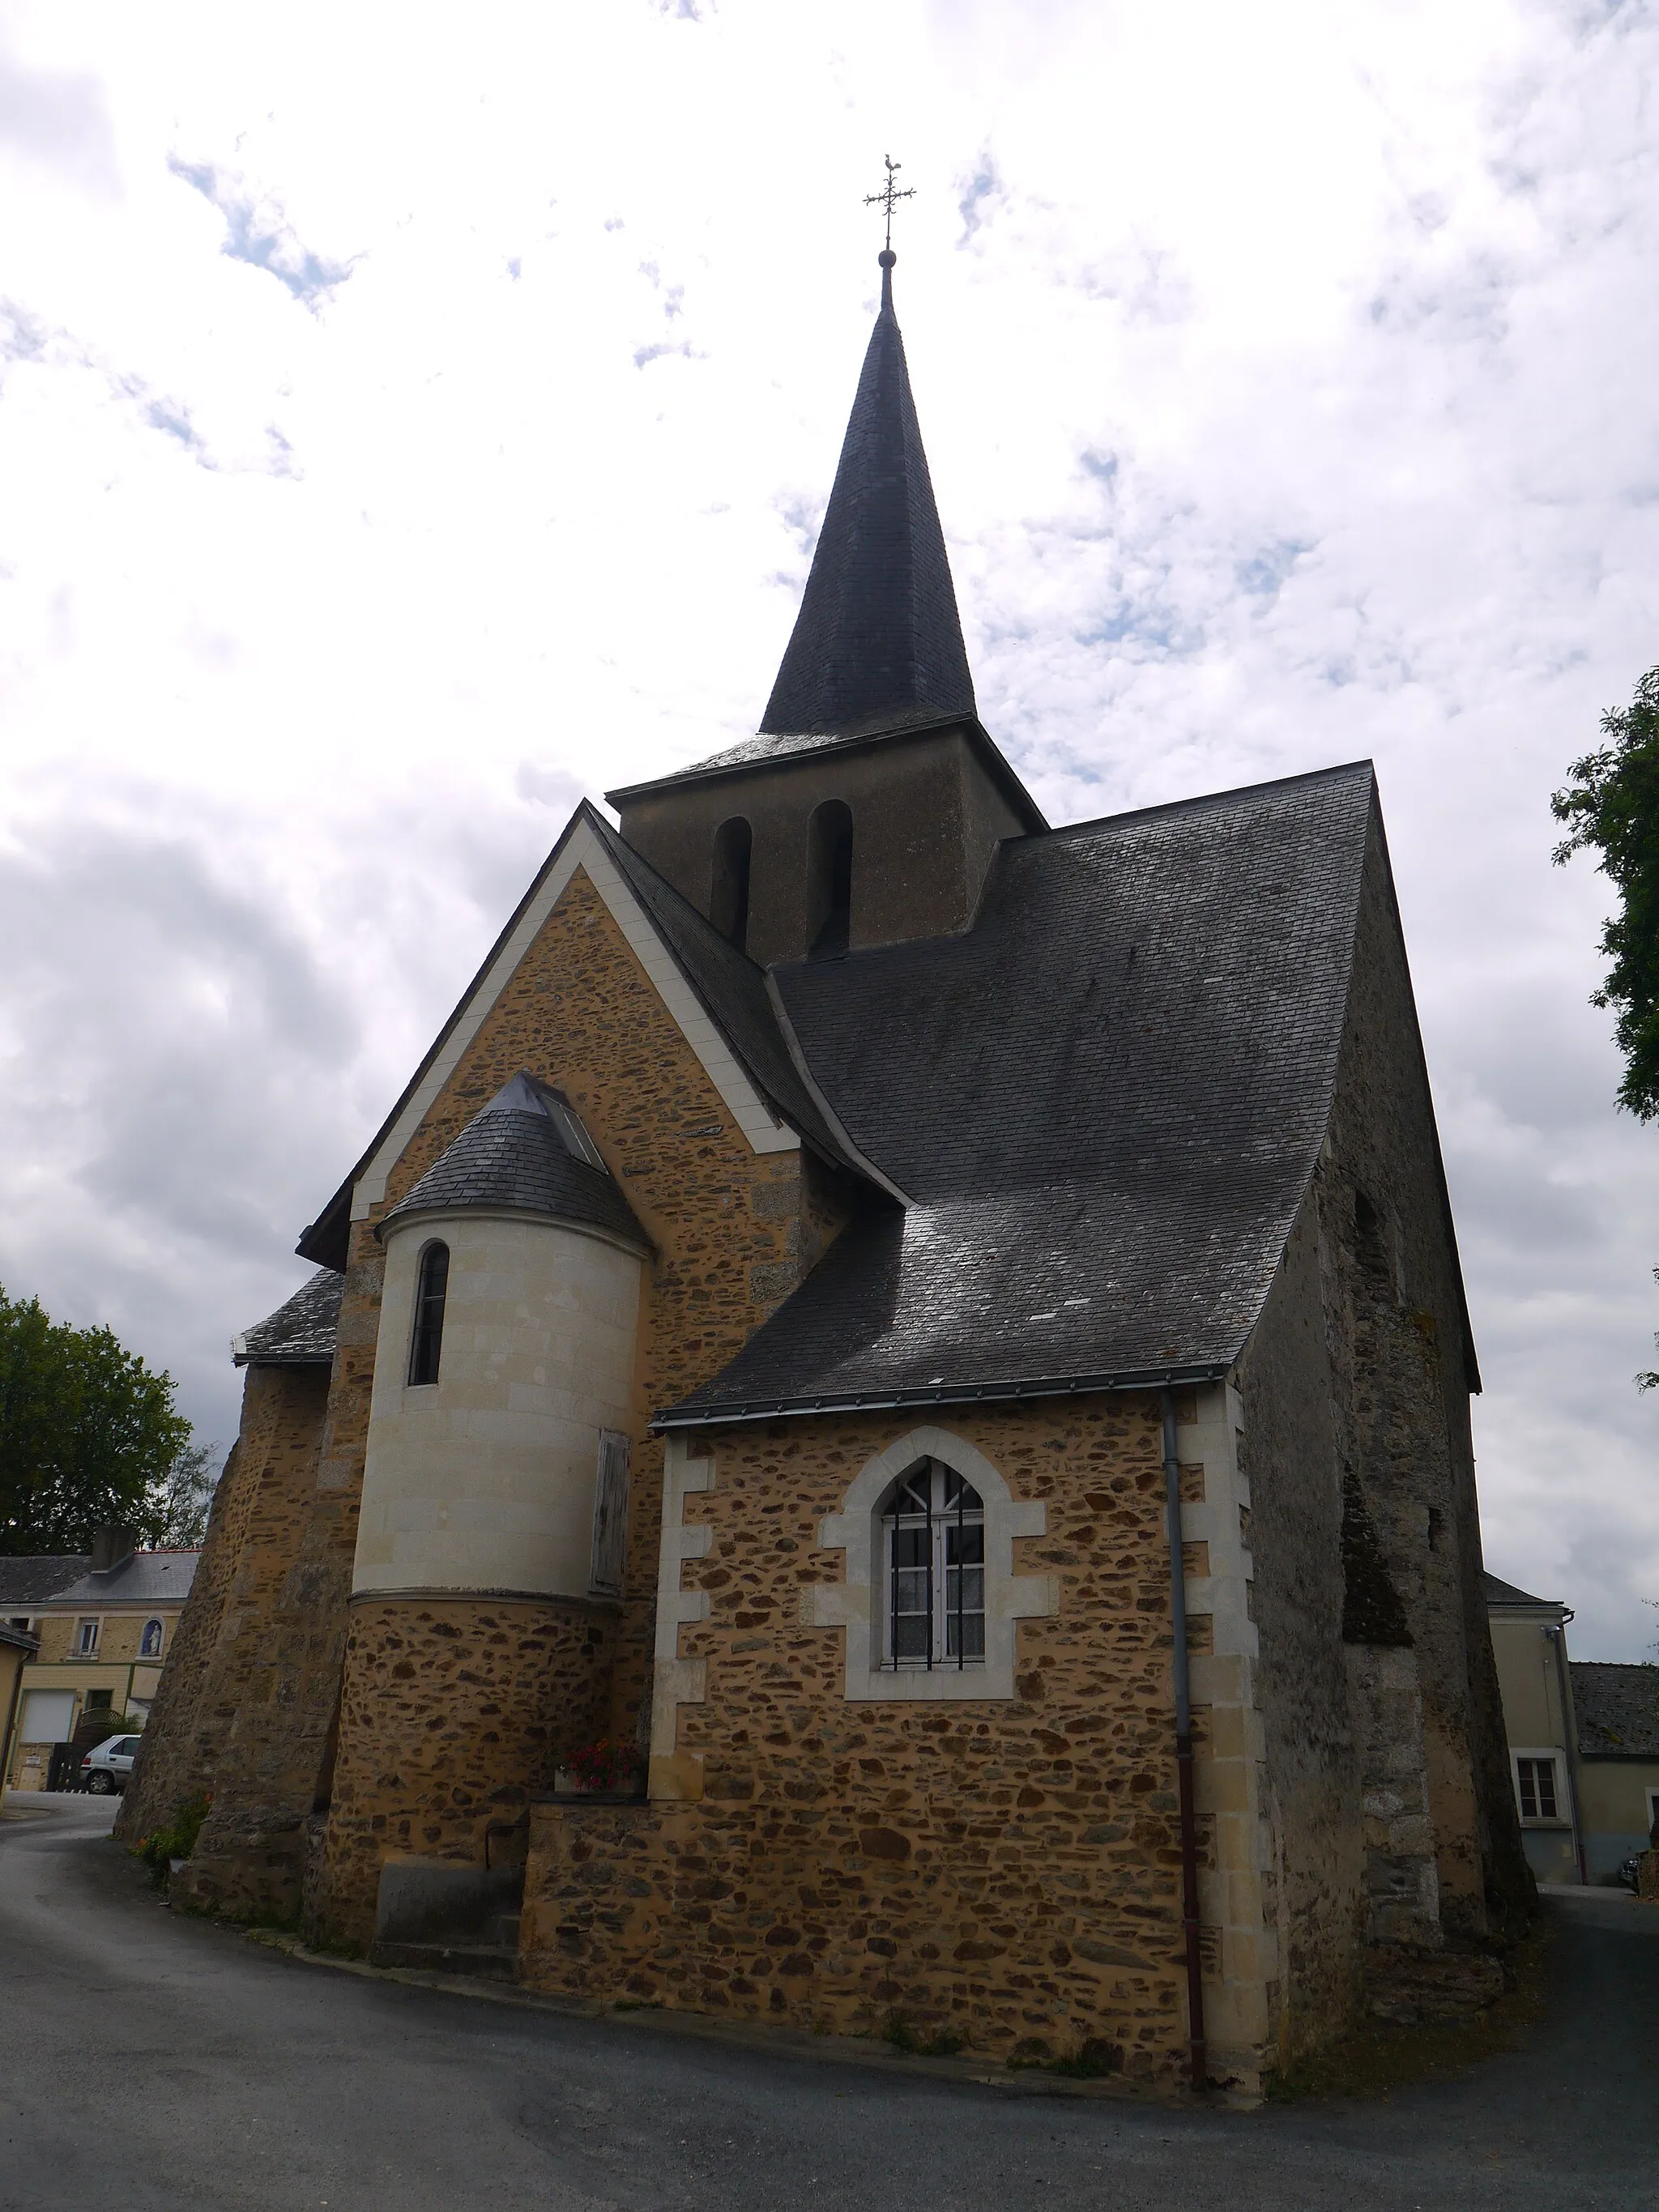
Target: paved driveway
[[149, 2061]]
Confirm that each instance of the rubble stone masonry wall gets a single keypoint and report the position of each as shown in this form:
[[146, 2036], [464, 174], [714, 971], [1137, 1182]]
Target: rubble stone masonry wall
[[1006, 1870], [734, 1233], [456, 1710], [1402, 1392], [222, 1671]]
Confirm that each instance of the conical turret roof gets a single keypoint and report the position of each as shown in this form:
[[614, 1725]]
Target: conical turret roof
[[525, 1152], [878, 643]]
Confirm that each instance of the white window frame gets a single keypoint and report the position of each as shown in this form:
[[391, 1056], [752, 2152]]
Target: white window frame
[[83, 1648], [1562, 1818], [856, 1602]]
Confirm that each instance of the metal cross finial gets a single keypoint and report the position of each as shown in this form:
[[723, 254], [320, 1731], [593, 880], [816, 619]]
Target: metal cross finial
[[885, 197]]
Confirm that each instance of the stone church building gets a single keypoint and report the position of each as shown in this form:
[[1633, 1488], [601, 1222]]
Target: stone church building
[[943, 1332]]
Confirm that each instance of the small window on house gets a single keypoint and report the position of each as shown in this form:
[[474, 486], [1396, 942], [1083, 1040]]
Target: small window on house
[[728, 902], [933, 1539], [1536, 1780], [149, 1645], [828, 879], [609, 1517], [99, 1701], [86, 1637], [431, 1287]]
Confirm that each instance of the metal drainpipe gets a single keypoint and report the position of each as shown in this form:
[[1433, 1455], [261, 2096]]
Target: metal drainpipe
[[1568, 1748], [1197, 2057]]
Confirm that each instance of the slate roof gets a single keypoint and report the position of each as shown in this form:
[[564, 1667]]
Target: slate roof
[[143, 1578], [734, 991], [1502, 1593], [1104, 1102], [878, 643], [301, 1331], [1617, 1708], [24, 1582], [515, 1154]]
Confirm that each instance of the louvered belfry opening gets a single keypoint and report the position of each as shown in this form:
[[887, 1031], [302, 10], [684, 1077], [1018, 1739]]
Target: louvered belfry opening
[[829, 879], [729, 903]]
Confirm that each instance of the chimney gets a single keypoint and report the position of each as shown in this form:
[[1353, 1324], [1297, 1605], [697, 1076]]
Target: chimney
[[112, 1546]]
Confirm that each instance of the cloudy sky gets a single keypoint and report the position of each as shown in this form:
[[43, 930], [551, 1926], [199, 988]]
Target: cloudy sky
[[412, 420]]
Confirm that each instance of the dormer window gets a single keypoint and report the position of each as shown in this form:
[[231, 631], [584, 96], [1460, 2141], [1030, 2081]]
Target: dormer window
[[728, 900], [568, 1122], [431, 1288], [828, 879]]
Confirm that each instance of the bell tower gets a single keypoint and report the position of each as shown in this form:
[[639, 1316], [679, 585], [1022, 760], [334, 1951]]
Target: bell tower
[[866, 809]]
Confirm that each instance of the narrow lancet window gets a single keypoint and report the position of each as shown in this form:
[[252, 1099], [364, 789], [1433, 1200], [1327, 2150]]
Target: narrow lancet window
[[728, 905], [431, 1288], [828, 879], [934, 1536]]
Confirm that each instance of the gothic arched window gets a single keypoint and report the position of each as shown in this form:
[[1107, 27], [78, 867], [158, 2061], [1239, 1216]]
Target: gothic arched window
[[149, 1645], [431, 1288], [933, 1541], [728, 904], [829, 878]]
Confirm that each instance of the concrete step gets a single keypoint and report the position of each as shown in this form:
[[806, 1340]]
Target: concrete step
[[490, 1962]]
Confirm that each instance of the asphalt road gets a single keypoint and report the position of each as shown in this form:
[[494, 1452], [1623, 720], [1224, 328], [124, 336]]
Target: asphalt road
[[150, 2061]]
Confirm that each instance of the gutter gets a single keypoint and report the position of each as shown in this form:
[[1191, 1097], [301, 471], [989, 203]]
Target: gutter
[[957, 1394], [1197, 2055]]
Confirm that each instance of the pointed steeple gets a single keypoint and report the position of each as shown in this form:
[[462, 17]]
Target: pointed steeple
[[878, 644]]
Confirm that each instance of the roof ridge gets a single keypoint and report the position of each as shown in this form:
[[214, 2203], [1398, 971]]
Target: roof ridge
[[1203, 798]]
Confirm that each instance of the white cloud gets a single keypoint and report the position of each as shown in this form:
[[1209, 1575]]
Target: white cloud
[[1284, 374]]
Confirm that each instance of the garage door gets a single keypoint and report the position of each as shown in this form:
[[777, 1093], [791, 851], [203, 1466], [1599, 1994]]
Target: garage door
[[48, 1716]]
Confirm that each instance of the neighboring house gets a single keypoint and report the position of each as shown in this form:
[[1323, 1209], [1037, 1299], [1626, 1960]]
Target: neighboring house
[[105, 1625], [1583, 1740], [1618, 1713], [945, 1332], [1529, 1644]]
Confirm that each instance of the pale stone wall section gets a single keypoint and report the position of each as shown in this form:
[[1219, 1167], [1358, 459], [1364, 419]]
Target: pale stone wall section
[[853, 1603], [484, 1480], [674, 1774], [1238, 1891], [1403, 1881]]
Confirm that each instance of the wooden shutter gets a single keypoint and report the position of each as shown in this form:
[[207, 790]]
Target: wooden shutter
[[609, 1517]]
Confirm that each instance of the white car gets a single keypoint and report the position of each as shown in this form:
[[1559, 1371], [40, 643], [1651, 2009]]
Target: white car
[[107, 1768]]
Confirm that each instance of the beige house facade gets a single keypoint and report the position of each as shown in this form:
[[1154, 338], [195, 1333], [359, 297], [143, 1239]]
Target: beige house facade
[[1582, 1741], [103, 1637]]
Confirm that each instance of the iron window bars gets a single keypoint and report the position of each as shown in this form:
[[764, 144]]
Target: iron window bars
[[933, 1532]]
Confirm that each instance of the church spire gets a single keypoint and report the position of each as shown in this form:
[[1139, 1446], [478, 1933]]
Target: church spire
[[878, 644]]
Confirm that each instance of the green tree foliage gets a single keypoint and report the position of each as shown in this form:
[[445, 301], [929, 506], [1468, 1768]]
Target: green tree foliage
[[1611, 806], [88, 1434]]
